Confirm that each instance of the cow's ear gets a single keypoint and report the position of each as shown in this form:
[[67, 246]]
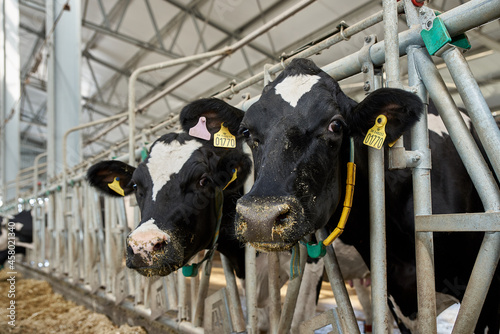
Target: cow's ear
[[232, 170], [111, 177], [402, 109], [215, 112]]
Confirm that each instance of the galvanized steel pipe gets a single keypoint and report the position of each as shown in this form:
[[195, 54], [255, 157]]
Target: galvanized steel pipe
[[422, 202], [462, 139], [292, 294], [478, 110], [344, 306], [391, 44], [235, 309], [484, 182], [274, 291], [251, 290], [457, 20], [376, 183]]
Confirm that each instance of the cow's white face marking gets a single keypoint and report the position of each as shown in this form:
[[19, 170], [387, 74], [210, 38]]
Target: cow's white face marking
[[292, 88], [436, 124], [166, 159], [149, 227]]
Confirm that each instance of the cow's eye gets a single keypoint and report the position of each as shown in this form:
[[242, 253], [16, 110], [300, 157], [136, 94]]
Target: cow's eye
[[134, 186], [203, 181], [245, 132], [335, 126]]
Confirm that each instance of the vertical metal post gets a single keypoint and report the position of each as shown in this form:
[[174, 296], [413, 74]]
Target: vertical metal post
[[422, 201], [274, 291], [378, 240], [251, 289], [182, 305], [195, 283], [332, 268], [250, 269], [391, 42], [10, 92], [63, 83], [202, 293], [38, 217], [108, 246], [378, 260], [51, 230], [292, 294], [233, 296]]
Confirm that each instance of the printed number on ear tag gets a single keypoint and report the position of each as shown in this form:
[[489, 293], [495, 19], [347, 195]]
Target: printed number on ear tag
[[115, 185], [224, 138], [376, 135]]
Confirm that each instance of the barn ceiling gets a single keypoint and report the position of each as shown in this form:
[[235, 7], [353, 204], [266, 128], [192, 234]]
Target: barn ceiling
[[119, 36]]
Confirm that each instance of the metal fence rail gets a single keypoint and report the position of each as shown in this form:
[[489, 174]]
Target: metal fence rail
[[78, 236]]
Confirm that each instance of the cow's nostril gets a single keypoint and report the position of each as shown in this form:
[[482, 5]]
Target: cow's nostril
[[282, 219], [159, 246]]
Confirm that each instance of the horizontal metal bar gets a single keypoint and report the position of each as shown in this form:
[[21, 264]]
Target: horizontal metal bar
[[462, 222]]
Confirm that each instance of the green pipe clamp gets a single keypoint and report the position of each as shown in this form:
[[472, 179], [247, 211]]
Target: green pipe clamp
[[437, 36]]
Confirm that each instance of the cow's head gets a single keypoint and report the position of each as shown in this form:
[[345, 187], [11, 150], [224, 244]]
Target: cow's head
[[175, 188], [299, 135]]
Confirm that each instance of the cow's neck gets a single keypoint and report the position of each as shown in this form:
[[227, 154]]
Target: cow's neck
[[228, 245]]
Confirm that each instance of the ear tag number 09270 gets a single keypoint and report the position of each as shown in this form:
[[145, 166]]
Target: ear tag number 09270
[[376, 135], [224, 138]]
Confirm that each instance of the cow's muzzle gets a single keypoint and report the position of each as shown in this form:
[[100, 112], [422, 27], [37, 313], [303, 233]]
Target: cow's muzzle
[[153, 253], [269, 223]]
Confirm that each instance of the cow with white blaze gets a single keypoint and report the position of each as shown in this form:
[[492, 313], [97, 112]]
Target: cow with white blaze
[[299, 132], [175, 188]]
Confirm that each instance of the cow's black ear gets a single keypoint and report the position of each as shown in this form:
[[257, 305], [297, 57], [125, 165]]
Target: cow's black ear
[[402, 109], [233, 164], [111, 177], [215, 112]]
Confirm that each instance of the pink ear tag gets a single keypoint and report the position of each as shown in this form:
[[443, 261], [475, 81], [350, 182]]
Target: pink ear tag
[[200, 130]]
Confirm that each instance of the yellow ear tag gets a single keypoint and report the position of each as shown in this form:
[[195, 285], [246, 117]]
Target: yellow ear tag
[[376, 135], [394, 142], [115, 185], [235, 175], [224, 138]]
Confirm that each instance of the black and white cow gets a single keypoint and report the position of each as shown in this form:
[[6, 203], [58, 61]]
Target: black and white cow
[[299, 135], [175, 189], [21, 224]]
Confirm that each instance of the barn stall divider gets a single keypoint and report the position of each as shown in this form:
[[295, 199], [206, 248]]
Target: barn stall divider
[[79, 236]]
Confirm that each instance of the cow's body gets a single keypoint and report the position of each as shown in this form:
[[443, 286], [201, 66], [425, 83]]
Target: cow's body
[[300, 154], [21, 224]]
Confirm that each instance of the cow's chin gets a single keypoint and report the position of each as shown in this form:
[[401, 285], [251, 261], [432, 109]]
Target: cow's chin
[[268, 247], [157, 270]]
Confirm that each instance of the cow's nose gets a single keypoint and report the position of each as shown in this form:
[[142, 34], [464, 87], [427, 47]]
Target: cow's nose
[[147, 242], [267, 219], [142, 245]]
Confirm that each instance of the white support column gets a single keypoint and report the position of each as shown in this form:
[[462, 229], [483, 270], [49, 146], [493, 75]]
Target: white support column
[[63, 84], [10, 92]]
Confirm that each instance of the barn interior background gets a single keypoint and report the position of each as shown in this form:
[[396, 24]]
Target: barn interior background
[[69, 63]]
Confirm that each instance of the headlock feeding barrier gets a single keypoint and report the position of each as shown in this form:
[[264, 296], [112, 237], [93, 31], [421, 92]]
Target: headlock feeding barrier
[[79, 236]]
